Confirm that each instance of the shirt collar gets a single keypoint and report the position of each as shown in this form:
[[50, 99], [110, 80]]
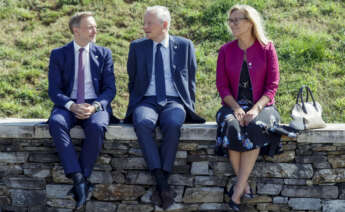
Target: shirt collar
[[165, 42], [77, 47]]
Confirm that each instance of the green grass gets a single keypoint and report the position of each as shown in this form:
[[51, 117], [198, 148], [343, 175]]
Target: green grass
[[309, 36]]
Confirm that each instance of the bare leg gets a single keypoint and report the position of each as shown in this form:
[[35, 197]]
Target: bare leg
[[235, 159], [247, 162]]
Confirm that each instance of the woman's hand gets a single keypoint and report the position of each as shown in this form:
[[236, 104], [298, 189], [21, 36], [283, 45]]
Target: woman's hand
[[240, 114], [250, 115]]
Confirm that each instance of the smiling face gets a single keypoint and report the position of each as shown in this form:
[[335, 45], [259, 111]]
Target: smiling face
[[86, 32], [154, 28], [239, 24]]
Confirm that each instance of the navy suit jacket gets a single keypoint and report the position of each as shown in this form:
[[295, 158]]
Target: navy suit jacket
[[62, 71], [183, 68]]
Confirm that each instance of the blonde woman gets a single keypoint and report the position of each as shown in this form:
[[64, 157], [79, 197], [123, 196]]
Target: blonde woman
[[247, 81]]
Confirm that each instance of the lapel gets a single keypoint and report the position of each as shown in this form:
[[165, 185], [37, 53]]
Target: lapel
[[70, 65], [94, 64], [149, 57], [173, 46]]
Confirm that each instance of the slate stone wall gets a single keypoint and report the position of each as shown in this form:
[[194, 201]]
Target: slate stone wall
[[306, 177]]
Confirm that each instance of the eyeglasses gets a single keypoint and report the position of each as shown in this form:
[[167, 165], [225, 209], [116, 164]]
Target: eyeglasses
[[236, 20]]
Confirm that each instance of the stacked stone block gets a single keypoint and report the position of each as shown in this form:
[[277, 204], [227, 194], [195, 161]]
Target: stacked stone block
[[306, 177]]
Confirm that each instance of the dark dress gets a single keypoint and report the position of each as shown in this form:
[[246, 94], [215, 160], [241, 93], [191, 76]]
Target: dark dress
[[230, 135]]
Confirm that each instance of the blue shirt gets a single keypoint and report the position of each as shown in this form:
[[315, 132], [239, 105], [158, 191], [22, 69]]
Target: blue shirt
[[169, 85]]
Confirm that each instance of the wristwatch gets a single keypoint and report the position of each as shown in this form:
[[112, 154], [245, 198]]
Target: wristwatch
[[97, 106]]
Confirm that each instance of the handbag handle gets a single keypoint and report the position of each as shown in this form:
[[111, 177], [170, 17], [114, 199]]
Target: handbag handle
[[300, 96]]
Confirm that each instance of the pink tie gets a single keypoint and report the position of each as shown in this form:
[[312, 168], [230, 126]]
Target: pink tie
[[81, 79]]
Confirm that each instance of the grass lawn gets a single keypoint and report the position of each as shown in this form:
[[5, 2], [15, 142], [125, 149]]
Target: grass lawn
[[309, 36]]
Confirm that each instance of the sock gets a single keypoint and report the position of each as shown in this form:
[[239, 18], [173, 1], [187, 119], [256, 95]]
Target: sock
[[162, 181], [77, 178]]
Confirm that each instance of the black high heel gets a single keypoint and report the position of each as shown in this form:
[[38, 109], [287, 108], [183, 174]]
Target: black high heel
[[249, 195], [234, 206]]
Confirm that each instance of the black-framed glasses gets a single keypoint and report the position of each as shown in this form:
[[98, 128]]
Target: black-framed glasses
[[236, 20]]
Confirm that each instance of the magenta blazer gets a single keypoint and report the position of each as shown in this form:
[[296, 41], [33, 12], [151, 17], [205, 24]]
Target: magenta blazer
[[263, 70]]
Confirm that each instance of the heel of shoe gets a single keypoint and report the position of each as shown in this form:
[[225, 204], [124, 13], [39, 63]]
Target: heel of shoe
[[234, 206]]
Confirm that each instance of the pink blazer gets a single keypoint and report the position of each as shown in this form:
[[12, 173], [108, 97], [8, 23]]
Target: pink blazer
[[263, 70]]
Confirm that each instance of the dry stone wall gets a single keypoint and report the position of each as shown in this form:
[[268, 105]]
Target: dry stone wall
[[308, 176]]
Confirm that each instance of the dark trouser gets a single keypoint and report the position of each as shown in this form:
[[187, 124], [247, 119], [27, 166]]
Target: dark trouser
[[60, 123], [146, 116]]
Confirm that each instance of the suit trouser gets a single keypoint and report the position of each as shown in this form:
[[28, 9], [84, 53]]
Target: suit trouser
[[146, 116], [60, 123]]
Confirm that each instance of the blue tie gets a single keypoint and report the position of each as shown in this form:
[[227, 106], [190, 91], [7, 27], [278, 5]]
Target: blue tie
[[160, 81]]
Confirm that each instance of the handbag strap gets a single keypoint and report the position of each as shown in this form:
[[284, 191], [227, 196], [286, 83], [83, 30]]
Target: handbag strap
[[300, 97], [312, 97]]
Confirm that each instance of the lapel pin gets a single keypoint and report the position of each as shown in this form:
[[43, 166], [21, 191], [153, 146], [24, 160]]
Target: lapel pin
[[174, 66], [249, 65], [96, 56], [175, 46]]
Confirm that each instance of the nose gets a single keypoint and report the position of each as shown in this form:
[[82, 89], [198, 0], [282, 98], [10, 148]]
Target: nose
[[145, 26]]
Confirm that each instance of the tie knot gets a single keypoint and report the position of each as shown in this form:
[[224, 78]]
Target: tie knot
[[81, 50], [159, 46]]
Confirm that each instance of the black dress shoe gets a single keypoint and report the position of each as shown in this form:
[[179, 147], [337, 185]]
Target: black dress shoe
[[155, 198], [167, 197], [90, 187], [81, 193]]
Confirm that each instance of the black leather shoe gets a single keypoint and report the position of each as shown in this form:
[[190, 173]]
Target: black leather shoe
[[155, 198], [90, 187], [81, 193], [167, 198]]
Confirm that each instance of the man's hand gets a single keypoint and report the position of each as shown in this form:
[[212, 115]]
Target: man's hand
[[82, 111]]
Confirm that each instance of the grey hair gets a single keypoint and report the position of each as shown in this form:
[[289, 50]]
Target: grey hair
[[161, 12]]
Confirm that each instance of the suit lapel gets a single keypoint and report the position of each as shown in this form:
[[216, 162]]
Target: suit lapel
[[173, 48], [70, 57], [93, 59], [149, 57]]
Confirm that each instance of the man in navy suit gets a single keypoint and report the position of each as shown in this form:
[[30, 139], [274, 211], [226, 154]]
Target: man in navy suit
[[82, 86], [161, 70]]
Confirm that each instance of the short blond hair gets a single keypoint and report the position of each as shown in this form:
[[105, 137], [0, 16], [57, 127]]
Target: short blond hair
[[255, 18], [76, 19]]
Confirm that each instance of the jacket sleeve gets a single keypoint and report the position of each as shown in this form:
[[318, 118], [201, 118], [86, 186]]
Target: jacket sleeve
[[131, 67], [55, 80], [222, 81], [107, 88], [272, 76], [192, 72]]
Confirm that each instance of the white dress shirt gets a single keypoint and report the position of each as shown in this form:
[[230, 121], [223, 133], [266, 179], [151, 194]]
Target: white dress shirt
[[169, 85], [89, 89]]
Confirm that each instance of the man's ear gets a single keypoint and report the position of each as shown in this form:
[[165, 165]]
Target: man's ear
[[75, 30], [165, 25]]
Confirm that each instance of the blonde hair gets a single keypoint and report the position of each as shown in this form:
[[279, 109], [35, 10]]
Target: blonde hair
[[255, 18]]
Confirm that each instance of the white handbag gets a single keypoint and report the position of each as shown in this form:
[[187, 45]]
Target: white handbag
[[306, 115]]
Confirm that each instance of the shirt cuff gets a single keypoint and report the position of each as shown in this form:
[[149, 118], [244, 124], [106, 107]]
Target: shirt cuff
[[68, 105]]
